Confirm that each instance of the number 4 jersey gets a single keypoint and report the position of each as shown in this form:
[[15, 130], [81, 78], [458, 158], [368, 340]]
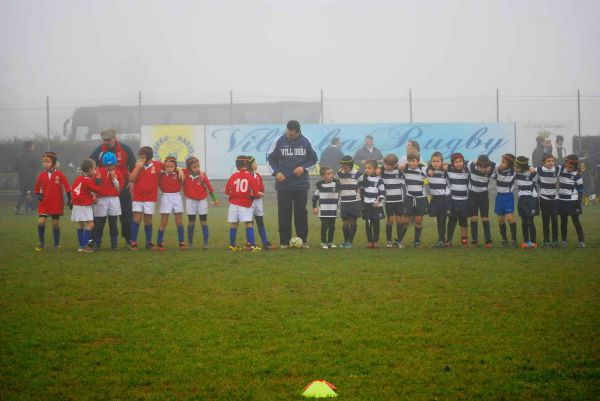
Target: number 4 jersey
[[242, 188]]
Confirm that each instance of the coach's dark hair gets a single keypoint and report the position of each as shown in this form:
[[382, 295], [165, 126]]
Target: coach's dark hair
[[293, 125], [87, 164]]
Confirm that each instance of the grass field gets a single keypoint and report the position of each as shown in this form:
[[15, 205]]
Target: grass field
[[389, 324]]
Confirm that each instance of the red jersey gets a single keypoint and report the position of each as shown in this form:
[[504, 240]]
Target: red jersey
[[50, 184], [145, 188], [242, 187], [106, 182], [259, 179], [169, 182], [83, 190], [196, 188]]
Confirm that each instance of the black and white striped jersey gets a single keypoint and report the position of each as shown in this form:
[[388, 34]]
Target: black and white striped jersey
[[438, 182], [414, 179], [394, 185], [373, 189], [459, 183], [478, 180], [548, 179], [570, 184], [525, 182], [505, 180], [326, 198], [349, 185]]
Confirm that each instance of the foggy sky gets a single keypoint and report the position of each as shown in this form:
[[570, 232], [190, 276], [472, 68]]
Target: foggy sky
[[94, 52]]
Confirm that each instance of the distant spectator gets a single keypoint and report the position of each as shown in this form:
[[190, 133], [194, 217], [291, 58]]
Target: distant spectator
[[538, 153], [27, 166], [367, 152], [332, 155], [412, 146], [560, 151]]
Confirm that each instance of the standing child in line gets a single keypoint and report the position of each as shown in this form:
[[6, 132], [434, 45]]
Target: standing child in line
[[458, 178], [415, 203], [373, 195], [393, 180], [548, 179], [84, 187], [480, 172], [527, 202], [242, 188], [570, 196], [108, 205], [144, 176], [258, 207], [350, 204], [505, 198], [197, 188], [49, 191], [169, 182], [439, 190], [325, 204]]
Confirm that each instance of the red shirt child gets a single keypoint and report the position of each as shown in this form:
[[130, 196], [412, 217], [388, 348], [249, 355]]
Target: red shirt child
[[84, 188], [106, 181], [145, 188], [169, 182], [49, 187], [242, 187]]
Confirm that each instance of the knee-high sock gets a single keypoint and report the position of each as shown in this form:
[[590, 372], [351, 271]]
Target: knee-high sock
[[232, 236], [525, 228], [41, 233], [369, 230], [418, 231], [564, 221], [546, 226], [402, 233], [554, 222], [399, 229], [474, 231], [441, 227], [503, 231], [56, 236], [346, 231], [513, 231], [250, 236], [87, 236], [190, 233], [487, 233], [135, 228], [352, 232], [578, 227], [148, 232], [80, 236], [532, 230], [452, 220], [388, 231], [205, 234], [180, 236], [160, 236], [376, 229], [331, 231]]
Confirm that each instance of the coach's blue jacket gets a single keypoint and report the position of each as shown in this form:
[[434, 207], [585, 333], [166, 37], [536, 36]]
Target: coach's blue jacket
[[285, 155]]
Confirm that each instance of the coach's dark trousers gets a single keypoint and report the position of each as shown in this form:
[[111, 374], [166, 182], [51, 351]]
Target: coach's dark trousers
[[126, 213], [289, 202]]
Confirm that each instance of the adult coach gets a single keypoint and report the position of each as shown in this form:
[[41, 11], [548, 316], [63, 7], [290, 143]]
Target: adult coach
[[125, 163], [290, 157], [27, 166], [367, 152]]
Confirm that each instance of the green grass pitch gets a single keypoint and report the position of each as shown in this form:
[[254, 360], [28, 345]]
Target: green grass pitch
[[388, 324]]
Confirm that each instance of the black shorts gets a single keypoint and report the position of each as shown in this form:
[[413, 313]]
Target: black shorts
[[394, 209], [528, 206], [54, 216], [438, 206], [458, 208], [569, 208], [479, 204], [371, 212], [549, 207], [350, 210], [415, 206]]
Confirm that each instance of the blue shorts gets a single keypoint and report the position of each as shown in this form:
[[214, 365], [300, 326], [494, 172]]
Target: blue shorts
[[505, 204]]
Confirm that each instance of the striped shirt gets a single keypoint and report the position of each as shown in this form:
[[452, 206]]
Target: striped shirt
[[525, 182], [394, 185], [459, 183], [570, 185], [505, 180], [548, 178], [438, 182], [478, 180], [415, 181], [326, 195], [349, 185], [373, 189]]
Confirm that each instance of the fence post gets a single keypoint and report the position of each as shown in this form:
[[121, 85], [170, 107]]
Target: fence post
[[410, 105], [497, 105], [322, 108], [579, 121], [48, 123], [140, 123], [230, 107]]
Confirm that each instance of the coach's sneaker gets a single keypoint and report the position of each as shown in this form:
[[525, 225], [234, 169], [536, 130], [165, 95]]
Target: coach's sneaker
[[389, 244], [133, 246], [161, 246], [324, 246], [39, 247], [581, 244], [284, 246], [332, 245], [305, 245]]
